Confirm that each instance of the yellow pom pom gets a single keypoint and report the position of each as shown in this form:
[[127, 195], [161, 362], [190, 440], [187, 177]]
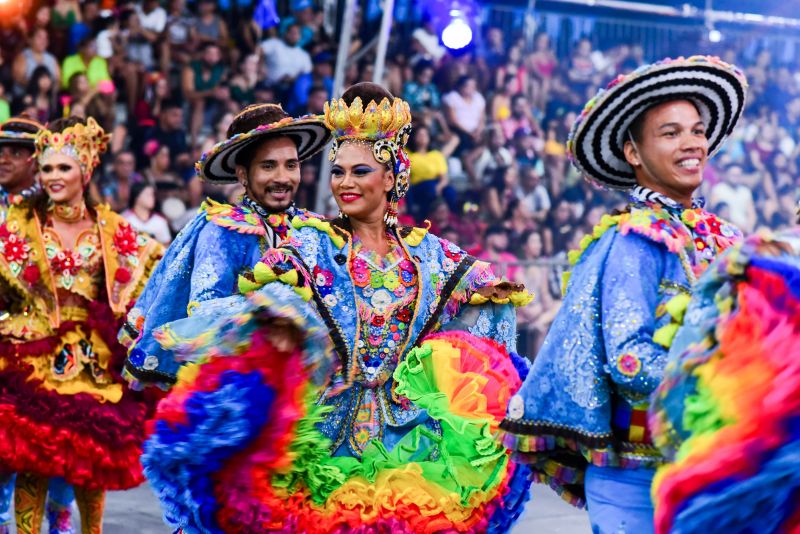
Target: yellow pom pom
[[664, 335], [289, 278], [246, 285], [521, 298], [477, 298], [677, 305], [304, 292], [263, 273]]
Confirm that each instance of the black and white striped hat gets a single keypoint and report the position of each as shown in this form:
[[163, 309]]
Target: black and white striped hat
[[310, 134], [598, 136]]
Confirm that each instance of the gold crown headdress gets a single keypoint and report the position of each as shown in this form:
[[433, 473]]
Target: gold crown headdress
[[84, 143], [386, 125]]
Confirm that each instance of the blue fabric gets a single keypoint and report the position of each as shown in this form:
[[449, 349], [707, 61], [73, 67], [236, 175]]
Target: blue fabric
[[619, 500], [179, 459], [6, 497], [575, 374], [58, 492], [202, 263]]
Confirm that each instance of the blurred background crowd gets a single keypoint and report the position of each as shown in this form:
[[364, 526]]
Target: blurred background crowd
[[489, 169]]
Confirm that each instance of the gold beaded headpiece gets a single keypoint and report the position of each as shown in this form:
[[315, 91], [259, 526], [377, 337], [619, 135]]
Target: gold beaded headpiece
[[84, 143], [386, 126]]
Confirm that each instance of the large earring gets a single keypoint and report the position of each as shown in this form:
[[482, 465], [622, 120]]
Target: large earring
[[390, 217]]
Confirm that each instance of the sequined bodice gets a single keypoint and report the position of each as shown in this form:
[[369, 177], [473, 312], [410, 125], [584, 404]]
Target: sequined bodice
[[385, 293], [77, 272]]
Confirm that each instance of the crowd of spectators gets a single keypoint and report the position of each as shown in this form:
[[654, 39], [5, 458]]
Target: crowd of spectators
[[489, 167]]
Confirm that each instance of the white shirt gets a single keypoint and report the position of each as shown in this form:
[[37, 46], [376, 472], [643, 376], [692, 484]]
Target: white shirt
[[284, 60], [155, 21], [155, 226], [468, 113], [487, 165], [430, 42]]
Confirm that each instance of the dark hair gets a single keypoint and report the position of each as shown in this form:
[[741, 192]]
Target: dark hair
[[495, 229], [412, 139], [462, 80], [171, 103], [33, 83], [422, 65], [136, 190], [39, 205], [367, 91]]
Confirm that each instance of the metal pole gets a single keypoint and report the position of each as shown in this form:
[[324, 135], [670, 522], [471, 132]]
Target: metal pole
[[345, 37], [383, 40]]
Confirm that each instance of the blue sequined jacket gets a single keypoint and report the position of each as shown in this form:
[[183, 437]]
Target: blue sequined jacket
[[201, 265], [586, 397]]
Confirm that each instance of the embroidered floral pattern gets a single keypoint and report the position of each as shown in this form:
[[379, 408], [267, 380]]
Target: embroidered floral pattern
[[125, 240], [16, 249], [629, 365], [385, 296]]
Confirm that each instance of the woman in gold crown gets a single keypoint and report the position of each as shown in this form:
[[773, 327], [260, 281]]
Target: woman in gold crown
[[357, 383], [69, 269]]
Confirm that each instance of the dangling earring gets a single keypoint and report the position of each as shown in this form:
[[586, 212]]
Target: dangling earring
[[390, 217]]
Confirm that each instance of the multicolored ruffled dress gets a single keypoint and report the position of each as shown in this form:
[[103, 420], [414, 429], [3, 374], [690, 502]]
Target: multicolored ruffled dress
[[384, 417], [727, 411], [586, 398], [203, 263], [65, 410]]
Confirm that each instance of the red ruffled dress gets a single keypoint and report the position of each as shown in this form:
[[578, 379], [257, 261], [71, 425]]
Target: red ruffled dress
[[65, 410]]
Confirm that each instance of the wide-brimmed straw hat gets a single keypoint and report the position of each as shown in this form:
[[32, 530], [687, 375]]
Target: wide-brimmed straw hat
[[596, 141], [254, 124]]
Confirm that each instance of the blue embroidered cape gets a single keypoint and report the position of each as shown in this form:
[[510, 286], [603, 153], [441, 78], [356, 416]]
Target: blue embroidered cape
[[202, 264], [586, 397]]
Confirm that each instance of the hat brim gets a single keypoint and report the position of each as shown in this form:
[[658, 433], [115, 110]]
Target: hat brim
[[20, 141], [597, 142], [218, 165]]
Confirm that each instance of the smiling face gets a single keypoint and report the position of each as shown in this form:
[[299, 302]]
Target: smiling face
[[671, 154], [273, 175], [17, 168], [359, 183], [61, 179]]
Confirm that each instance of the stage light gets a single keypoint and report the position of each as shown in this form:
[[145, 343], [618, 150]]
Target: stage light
[[715, 36], [457, 34]]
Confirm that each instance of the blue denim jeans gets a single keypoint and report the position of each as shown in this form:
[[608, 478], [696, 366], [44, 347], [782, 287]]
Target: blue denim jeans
[[619, 500]]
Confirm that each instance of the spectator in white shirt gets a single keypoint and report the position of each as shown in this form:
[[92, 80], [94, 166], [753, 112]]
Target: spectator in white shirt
[[286, 60], [465, 109], [493, 156], [733, 192], [142, 216], [533, 196]]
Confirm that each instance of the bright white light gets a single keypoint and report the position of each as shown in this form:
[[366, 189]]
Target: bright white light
[[715, 36], [457, 34]]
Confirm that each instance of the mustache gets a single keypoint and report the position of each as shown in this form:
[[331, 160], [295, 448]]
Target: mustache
[[277, 188]]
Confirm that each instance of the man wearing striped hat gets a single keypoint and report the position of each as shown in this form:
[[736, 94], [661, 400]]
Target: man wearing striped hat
[[201, 267], [581, 417]]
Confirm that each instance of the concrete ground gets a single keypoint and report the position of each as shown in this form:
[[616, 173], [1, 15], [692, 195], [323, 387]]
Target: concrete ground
[[137, 512]]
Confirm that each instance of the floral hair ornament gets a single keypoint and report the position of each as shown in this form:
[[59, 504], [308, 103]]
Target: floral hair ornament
[[386, 125], [84, 143]]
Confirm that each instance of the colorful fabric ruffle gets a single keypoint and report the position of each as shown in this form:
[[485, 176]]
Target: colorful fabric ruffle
[[729, 407], [81, 437], [235, 446]]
